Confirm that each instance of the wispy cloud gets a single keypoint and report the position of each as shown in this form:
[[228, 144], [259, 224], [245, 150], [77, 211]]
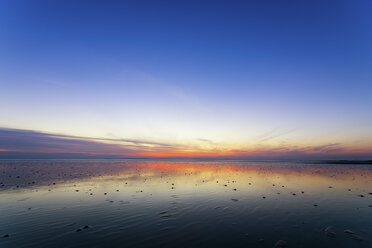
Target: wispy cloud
[[18, 143]]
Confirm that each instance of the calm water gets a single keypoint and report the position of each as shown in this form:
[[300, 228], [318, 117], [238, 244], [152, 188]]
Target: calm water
[[142, 203]]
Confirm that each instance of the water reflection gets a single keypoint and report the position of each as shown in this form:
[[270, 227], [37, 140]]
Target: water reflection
[[141, 203]]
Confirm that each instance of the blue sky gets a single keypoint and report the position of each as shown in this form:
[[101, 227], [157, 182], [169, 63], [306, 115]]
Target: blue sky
[[213, 76]]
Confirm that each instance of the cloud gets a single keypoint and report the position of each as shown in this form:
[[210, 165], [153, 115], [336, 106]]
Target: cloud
[[18, 143]]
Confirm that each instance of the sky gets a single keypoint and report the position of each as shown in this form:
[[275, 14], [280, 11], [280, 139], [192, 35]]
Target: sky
[[234, 79]]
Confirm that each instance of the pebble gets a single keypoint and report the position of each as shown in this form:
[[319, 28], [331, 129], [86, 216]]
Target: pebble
[[6, 236], [352, 235], [330, 231], [280, 244]]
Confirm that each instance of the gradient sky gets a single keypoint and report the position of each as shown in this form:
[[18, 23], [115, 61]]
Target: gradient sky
[[187, 78]]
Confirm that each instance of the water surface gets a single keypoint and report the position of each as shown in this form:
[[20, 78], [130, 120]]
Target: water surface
[[144, 203]]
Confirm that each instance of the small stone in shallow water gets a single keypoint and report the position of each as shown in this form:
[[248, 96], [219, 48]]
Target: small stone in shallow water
[[356, 237], [6, 236], [233, 199], [78, 230], [352, 235], [361, 195], [85, 227], [234, 189], [348, 231], [280, 244], [263, 197], [330, 231], [315, 205]]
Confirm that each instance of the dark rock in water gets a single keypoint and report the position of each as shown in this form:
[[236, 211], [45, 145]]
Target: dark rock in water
[[349, 190], [6, 236], [315, 205], [234, 189], [352, 235], [361, 195], [234, 199], [330, 231], [85, 227], [356, 237], [302, 192], [79, 230], [105, 193], [263, 197], [294, 194], [348, 231], [330, 187], [370, 193], [280, 244]]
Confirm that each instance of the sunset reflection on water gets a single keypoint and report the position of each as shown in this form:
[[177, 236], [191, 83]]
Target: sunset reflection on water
[[139, 202]]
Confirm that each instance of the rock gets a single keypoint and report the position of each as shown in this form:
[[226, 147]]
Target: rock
[[315, 205], [356, 237], [235, 200], [352, 235], [79, 230], [263, 197], [361, 195], [330, 231], [348, 231], [85, 227], [6, 236], [280, 244]]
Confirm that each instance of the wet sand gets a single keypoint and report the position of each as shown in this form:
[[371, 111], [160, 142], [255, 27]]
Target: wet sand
[[145, 203]]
